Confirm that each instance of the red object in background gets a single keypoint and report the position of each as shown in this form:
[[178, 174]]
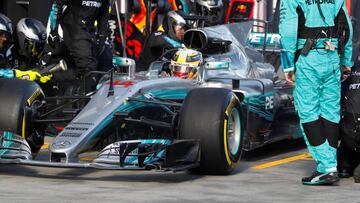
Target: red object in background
[[135, 35], [240, 9], [139, 17], [348, 6], [134, 40], [173, 4], [59, 128]]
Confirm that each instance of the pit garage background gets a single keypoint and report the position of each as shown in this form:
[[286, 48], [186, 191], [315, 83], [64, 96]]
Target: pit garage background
[[264, 9]]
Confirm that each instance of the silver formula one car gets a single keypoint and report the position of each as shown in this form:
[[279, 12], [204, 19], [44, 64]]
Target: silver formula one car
[[147, 121]]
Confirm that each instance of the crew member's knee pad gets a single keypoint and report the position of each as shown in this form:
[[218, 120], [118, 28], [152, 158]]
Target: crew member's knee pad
[[331, 131], [314, 133]]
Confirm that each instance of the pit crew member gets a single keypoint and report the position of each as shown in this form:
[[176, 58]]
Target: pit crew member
[[21, 53], [314, 35], [159, 42]]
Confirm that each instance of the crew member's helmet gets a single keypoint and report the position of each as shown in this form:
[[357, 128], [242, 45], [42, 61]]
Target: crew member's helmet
[[185, 64], [213, 9], [6, 27], [171, 20], [30, 37]]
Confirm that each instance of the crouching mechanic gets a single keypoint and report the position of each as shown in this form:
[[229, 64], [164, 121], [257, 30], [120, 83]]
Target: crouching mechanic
[[316, 37], [22, 54]]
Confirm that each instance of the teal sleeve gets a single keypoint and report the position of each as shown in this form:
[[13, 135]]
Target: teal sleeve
[[7, 73], [52, 17], [286, 65], [345, 59], [55, 13], [288, 28]]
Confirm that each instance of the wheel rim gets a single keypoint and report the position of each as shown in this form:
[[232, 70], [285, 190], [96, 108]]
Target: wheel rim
[[234, 132]]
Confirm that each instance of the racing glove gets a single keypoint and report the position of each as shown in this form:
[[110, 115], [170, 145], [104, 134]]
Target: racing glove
[[45, 78], [31, 75]]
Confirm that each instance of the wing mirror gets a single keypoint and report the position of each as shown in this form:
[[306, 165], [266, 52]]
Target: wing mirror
[[125, 62], [217, 65]]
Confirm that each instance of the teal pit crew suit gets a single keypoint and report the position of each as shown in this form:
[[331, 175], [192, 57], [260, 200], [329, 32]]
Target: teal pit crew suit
[[318, 73], [7, 73]]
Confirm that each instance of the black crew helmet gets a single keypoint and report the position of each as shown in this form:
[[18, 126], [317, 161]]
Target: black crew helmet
[[213, 9], [30, 37], [6, 27], [210, 4], [172, 19]]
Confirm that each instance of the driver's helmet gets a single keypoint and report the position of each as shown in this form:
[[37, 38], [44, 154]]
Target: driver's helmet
[[185, 63], [31, 37], [6, 28], [171, 20]]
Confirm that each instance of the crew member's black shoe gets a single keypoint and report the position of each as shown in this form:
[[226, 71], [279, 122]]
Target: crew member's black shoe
[[318, 178], [357, 174], [345, 173]]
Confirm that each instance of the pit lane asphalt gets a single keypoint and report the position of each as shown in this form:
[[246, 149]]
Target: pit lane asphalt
[[269, 174]]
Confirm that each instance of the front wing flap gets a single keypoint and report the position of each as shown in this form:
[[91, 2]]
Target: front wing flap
[[153, 154]]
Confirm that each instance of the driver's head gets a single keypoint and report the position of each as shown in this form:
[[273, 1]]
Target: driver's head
[[174, 25], [30, 37], [185, 63], [5, 30]]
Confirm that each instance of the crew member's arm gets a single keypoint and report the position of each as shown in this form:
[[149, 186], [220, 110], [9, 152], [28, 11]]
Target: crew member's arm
[[55, 13], [10, 57], [345, 37], [162, 45], [7, 73], [160, 39], [26, 75], [288, 28]]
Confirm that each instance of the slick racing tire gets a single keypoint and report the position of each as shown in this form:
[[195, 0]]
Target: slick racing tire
[[213, 116], [18, 99]]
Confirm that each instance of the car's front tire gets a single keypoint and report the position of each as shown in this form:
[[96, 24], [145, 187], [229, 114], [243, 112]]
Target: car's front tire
[[213, 116], [18, 100]]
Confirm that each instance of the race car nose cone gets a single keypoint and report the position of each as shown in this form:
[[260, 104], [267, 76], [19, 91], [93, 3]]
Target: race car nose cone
[[61, 144]]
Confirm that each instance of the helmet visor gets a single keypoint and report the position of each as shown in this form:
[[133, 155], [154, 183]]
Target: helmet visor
[[5, 38], [181, 71], [33, 48]]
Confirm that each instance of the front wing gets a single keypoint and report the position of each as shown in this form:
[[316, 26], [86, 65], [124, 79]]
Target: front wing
[[152, 154]]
